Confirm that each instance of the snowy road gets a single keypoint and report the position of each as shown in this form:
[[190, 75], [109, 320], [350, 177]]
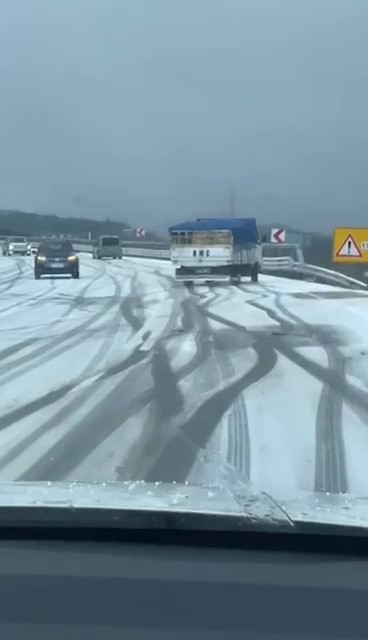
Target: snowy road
[[127, 374]]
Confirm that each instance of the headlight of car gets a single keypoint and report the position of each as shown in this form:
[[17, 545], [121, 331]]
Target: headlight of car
[[11, 247], [41, 258], [72, 258]]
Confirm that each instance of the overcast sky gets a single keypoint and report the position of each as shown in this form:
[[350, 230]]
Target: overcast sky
[[149, 110]]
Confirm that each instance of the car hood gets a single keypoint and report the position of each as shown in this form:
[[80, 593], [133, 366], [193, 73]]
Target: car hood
[[343, 510], [240, 502]]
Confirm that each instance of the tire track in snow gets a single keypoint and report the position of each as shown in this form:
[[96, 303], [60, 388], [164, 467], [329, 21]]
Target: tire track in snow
[[330, 461], [56, 346], [132, 306], [194, 322], [330, 465], [47, 462], [165, 396], [20, 412], [108, 416], [331, 471], [104, 419], [238, 455], [88, 433], [9, 283], [15, 348], [20, 346], [135, 303], [28, 302], [4, 274], [178, 453], [152, 460], [76, 301]]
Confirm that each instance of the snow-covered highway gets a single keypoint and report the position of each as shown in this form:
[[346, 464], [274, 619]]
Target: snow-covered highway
[[126, 374]]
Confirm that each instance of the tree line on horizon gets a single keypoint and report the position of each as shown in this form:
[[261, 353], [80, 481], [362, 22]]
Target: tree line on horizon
[[37, 224]]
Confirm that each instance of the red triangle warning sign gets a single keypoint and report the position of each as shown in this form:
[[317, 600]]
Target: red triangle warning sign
[[349, 249]]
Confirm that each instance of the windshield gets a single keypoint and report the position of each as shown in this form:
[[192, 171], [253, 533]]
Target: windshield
[[198, 171], [55, 249], [111, 241]]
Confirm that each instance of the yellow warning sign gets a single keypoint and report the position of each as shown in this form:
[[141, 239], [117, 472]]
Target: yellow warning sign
[[350, 244]]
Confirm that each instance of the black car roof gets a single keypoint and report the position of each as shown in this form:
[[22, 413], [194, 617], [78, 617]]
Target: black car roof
[[53, 242]]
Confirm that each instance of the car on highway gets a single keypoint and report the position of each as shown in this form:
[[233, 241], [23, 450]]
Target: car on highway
[[108, 247], [56, 257], [17, 246]]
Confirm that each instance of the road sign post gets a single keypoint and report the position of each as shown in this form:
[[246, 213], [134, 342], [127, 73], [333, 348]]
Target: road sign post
[[350, 245], [278, 236]]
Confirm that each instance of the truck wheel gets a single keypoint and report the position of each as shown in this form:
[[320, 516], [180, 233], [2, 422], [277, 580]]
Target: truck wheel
[[235, 279], [254, 273]]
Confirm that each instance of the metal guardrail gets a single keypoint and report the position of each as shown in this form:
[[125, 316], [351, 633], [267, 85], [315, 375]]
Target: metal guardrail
[[283, 262], [333, 277], [140, 252], [284, 265], [164, 254], [303, 271], [286, 250]]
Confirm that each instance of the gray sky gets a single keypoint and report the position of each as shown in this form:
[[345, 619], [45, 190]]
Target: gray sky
[[148, 110]]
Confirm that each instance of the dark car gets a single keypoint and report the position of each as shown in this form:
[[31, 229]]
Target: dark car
[[54, 257]]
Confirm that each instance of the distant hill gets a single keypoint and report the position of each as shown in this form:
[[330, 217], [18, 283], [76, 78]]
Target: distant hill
[[34, 224]]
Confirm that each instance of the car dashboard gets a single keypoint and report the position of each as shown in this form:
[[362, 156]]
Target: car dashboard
[[115, 589]]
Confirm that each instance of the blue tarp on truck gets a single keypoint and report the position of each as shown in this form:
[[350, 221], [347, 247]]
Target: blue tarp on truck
[[244, 230]]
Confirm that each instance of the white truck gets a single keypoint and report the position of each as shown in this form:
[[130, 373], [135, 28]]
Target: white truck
[[216, 249]]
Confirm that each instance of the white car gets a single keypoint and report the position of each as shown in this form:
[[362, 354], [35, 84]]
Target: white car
[[107, 247], [18, 246]]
